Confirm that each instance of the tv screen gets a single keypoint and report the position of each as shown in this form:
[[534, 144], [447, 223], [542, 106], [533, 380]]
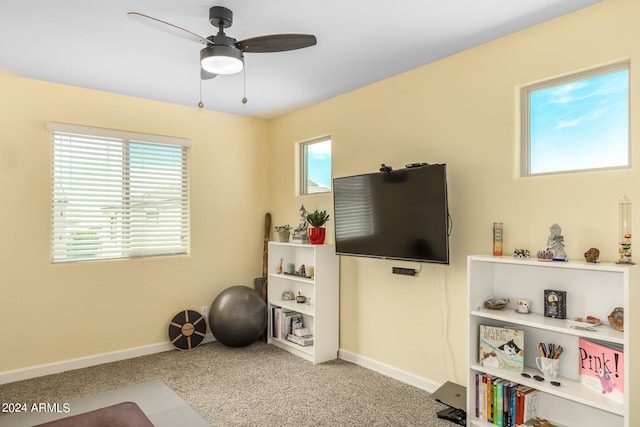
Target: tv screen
[[401, 214]]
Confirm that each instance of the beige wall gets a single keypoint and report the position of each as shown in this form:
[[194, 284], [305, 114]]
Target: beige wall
[[51, 313], [462, 111]]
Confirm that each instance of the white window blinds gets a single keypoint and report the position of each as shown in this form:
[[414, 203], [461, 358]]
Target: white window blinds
[[117, 194]]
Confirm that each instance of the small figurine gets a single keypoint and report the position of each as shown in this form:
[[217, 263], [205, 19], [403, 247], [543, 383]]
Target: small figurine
[[592, 255], [555, 243], [616, 319], [280, 267], [302, 272], [301, 233], [545, 256], [288, 296], [542, 423]]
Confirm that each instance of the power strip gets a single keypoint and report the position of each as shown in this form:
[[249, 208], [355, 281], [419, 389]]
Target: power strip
[[404, 271]]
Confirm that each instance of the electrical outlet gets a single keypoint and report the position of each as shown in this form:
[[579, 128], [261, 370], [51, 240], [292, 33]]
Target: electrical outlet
[[205, 311]]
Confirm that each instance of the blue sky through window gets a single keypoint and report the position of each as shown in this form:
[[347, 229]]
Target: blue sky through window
[[580, 125], [318, 158]]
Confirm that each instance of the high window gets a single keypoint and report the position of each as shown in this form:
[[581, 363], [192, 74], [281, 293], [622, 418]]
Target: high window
[[315, 166], [117, 194], [576, 123]]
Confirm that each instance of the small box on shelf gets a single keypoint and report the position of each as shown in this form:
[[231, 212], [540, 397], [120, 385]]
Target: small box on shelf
[[555, 304]]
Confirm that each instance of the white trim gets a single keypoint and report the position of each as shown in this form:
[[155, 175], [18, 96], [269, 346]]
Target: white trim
[[85, 362], [112, 133], [389, 371], [115, 356]]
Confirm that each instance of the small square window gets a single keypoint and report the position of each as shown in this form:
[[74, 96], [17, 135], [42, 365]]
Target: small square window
[[576, 123], [315, 170]]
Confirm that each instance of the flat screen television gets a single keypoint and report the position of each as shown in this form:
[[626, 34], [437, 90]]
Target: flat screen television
[[401, 214]]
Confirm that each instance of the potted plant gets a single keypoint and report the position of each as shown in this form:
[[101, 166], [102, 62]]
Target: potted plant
[[283, 232], [317, 232]]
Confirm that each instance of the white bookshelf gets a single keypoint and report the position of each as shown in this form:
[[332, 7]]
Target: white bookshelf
[[592, 289], [321, 316]]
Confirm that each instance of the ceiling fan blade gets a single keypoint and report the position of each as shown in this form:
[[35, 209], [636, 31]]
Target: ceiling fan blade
[[189, 34], [276, 43], [205, 75]]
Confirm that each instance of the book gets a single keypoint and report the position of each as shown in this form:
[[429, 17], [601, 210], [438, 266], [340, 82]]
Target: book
[[512, 404], [303, 341], [489, 398], [296, 323], [601, 368], [275, 331], [478, 378], [286, 318], [301, 332], [530, 405], [521, 392], [498, 414], [501, 347], [555, 304]]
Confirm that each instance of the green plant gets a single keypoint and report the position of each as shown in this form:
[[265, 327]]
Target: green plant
[[282, 228], [317, 219]]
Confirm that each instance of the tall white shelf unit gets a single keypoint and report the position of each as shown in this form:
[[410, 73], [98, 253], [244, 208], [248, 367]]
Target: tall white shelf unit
[[592, 289], [322, 315]]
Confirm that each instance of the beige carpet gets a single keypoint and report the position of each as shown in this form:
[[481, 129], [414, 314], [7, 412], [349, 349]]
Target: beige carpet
[[258, 385]]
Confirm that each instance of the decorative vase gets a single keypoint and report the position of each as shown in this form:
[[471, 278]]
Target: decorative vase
[[283, 236], [316, 235]]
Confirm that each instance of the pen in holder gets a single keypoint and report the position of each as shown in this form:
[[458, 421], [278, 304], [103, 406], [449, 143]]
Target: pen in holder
[[548, 362]]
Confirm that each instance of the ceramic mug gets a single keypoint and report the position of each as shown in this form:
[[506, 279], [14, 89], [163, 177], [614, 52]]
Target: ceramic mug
[[523, 306], [549, 367]]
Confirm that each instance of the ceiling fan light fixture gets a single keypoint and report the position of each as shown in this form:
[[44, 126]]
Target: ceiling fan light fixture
[[221, 59]]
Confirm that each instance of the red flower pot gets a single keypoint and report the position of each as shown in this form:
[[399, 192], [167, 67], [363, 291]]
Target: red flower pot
[[316, 235]]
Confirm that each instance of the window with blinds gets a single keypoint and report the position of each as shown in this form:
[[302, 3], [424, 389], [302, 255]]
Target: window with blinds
[[117, 194]]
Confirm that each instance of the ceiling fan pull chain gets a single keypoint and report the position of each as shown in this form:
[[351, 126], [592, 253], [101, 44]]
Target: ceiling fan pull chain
[[244, 84], [200, 104]]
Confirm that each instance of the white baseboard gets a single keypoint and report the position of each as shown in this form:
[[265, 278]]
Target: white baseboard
[[99, 359], [84, 362], [389, 371]]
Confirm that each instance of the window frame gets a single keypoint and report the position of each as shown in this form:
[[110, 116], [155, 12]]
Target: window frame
[[162, 152], [303, 179], [525, 116]]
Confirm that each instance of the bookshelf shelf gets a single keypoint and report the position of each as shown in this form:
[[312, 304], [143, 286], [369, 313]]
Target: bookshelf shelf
[[591, 289], [321, 314]]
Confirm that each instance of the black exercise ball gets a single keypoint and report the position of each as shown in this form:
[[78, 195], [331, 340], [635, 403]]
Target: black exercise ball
[[238, 316]]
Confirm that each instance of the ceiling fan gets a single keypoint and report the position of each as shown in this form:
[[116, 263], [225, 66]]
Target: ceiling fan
[[223, 54]]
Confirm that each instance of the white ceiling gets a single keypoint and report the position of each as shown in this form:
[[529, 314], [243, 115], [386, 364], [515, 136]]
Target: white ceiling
[[95, 44]]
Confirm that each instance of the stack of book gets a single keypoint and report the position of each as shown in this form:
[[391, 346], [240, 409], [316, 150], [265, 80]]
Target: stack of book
[[303, 340], [288, 325], [504, 403]]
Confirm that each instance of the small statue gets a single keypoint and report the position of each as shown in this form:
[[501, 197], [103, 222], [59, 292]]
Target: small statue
[[542, 423], [592, 255], [303, 271], [301, 233], [279, 267], [616, 319], [555, 243]]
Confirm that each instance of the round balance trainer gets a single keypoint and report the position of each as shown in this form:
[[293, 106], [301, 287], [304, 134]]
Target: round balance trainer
[[187, 329], [238, 316]]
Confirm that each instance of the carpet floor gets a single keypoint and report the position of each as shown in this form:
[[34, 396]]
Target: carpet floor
[[257, 385]]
